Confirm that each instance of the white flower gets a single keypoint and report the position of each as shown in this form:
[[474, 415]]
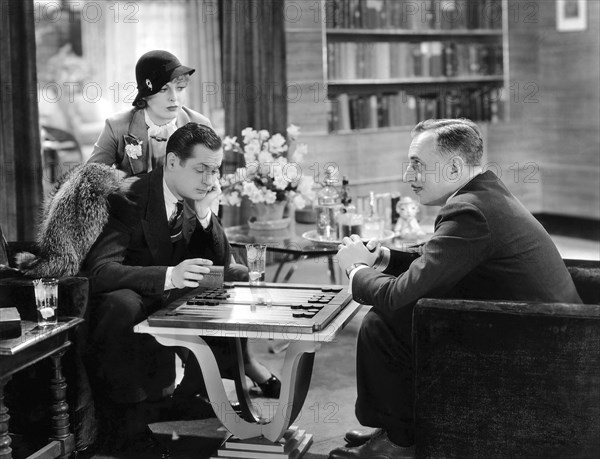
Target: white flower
[[229, 143], [252, 148], [249, 189], [263, 135], [293, 131], [250, 151], [277, 144], [305, 187], [270, 196], [299, 201], [232, 199], [249, 135], [299, 152], [265, 157], [134, 151], [279, 180]]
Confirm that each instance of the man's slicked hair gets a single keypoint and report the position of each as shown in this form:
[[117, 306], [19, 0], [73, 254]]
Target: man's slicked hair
[[455, 136], [184, 139]]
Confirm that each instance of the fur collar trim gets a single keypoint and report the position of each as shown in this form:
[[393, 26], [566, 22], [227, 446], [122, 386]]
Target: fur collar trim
[[72, 219]]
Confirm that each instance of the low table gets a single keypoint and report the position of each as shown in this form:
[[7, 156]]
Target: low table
[[287, 241], [254, 433], [294, 245], [16, 354]]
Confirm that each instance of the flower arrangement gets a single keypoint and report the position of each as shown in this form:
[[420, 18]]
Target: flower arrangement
[[272, 172]]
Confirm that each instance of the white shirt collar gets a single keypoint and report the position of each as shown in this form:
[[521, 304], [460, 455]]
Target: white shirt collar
[[170, 199], [156, 127]]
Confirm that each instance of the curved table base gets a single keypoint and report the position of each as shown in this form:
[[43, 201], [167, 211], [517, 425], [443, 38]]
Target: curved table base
[[295, 380]]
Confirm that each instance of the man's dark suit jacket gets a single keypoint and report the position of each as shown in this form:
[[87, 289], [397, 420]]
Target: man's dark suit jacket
[[486, 245], [134, 250]]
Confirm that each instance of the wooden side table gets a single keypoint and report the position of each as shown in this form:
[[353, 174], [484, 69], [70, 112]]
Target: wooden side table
[[16, 354]]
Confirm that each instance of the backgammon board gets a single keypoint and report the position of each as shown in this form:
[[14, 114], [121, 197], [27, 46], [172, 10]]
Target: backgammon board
[[298, 308]]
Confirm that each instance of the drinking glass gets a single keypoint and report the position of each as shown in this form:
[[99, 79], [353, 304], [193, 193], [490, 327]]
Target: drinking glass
[[257, 257], [46, 300]]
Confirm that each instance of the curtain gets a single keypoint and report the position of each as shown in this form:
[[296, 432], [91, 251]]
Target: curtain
[[204, 51], [254, 65], [254, 72], [20, 151]]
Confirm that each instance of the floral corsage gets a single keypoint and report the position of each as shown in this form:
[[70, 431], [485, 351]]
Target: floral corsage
[[133, 147]]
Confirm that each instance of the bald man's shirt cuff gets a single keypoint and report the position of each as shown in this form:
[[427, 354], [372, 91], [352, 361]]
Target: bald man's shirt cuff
[[351, 276], [379, 265]]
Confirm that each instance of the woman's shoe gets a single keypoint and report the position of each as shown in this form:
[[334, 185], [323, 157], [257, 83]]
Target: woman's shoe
[[270, 388]]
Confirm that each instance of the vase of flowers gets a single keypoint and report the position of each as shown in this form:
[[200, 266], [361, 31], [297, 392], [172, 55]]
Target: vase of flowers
[[272, 175]]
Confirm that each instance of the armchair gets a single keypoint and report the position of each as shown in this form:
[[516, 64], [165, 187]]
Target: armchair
[[504, 379], [23, 391]]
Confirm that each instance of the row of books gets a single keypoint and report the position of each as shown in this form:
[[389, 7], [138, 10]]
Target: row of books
[[385, 60], [414, 14], [350, 112]]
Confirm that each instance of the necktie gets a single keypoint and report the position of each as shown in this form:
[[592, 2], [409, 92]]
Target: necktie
[[176, 222]]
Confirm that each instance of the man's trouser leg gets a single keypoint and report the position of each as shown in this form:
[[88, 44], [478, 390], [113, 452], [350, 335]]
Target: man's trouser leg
[[384, 377], [131, 367]]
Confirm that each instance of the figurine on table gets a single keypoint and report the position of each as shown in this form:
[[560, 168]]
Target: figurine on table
[[407, 226]]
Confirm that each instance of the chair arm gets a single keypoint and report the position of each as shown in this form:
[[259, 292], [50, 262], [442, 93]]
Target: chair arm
[[73, 295], [16, 247], [586, 277]]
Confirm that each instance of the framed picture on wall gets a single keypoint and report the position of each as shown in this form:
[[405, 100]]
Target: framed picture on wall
[[571, 15]]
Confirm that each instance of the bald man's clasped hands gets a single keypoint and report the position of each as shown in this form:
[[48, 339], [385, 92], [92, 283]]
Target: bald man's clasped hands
[[353, 253]]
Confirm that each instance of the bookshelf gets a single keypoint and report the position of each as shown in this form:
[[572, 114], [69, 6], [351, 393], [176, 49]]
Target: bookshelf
[[546, 116], [392, 63], [372, 153]]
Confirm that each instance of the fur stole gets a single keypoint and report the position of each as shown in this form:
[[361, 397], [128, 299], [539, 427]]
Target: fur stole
[[72, 219]]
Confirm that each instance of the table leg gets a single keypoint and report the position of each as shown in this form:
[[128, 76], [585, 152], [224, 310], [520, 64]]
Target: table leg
[[331, 266], [288, 258], [295, 380], [248, 412], [5, 441], [59, 409]]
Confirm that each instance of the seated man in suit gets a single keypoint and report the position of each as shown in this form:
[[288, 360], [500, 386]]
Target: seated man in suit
[[161, 237], [486, 245]]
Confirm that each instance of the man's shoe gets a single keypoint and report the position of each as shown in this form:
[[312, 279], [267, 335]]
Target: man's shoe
[[271, 388], [360, 437], [379, 447]]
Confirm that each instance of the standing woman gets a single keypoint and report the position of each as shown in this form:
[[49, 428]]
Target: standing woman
[[135, 140]]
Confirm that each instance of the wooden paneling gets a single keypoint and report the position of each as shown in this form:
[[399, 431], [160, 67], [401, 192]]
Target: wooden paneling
[[512, 150], [306, 91], [555, 111], [571, 190]]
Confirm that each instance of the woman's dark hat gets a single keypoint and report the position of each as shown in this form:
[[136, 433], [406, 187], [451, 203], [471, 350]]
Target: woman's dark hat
[[155, 69]]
